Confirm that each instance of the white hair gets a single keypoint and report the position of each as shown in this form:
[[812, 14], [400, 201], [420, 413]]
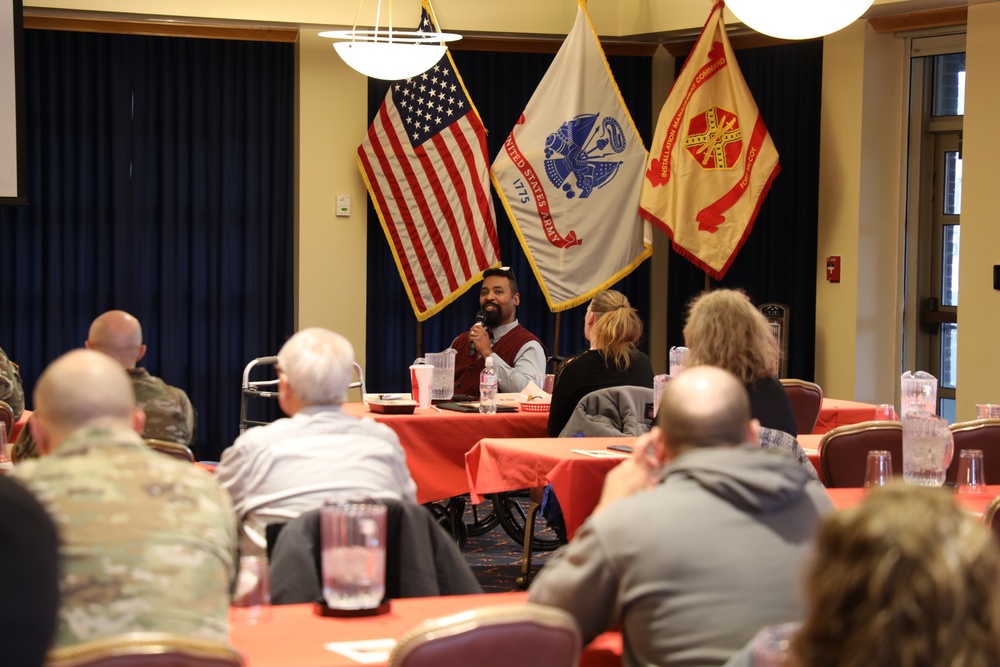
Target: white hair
[[318, 364]]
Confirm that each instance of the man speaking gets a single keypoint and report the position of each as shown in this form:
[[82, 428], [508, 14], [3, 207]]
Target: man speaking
[[518, 356]]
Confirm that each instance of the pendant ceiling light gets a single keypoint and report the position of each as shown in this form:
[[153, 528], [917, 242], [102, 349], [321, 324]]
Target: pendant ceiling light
[[798, 19], [385, 53]]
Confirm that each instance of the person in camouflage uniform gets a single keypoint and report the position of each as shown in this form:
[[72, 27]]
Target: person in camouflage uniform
[[169, 413], [148, 543], [10, 385]]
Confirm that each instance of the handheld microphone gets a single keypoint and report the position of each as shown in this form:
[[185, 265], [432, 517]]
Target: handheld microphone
[[480, 320]]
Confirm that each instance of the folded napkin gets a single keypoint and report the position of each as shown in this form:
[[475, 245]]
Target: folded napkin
[[534, 394]]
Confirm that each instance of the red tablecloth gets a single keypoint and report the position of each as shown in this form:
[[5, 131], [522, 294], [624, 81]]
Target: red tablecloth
[[973, 503], [835, 412], [503, 464], [436, 442], [295, 636]]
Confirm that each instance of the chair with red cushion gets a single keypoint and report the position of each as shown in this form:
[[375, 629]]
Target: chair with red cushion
[[843, 451], [528, 635], [806, 399], [982, 434]]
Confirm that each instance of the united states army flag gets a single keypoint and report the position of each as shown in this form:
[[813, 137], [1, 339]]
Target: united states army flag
[[712, 159], [570, 173]]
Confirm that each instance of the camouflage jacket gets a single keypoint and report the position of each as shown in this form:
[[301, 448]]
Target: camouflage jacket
[[10, 385], [148, 543], [169, 413]]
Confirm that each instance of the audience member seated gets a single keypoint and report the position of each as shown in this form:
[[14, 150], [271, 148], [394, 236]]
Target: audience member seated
[[692, 559], [613, 328], [11, 389], [724, 329], [518, 356], [169, 413], [276, 472], [148, 543], [780, 441], [29, 594], [906, 578]]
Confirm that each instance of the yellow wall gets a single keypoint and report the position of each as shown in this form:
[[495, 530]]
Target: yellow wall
[[331, 101], [978, 357]]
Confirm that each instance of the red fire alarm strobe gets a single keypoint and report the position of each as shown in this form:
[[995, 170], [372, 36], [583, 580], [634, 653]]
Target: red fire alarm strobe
[[833, 269]]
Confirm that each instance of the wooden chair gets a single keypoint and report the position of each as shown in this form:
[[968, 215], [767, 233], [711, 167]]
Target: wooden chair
[[806, 399], [843, 451], [983, 434], [145, 649], [528, 635], [174, 449]]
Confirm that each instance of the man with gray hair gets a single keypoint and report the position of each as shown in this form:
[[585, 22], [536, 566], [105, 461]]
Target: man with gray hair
[[276, 472], [148, 543], [692, 558]]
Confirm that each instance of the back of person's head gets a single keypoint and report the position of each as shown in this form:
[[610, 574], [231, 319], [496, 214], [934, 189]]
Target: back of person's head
[[906, 578], [704, 406], [318, 365], [29, 561], [724, 329], [118, 335], [503, 272], [81, 388], [617, 327]]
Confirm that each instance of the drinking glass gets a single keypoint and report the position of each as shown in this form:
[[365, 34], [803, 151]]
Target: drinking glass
[[771, 645], [252, 599], [878, 470], [927, 449], [353, 534], [659, 382], [971, 476], [885, 412], [4, 452], [987, 410]]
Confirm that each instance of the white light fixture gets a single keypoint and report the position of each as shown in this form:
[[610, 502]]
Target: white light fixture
[[384, 53], [798, 19]]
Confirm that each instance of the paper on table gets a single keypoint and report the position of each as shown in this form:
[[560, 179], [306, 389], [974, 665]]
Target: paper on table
[[367, 651], [601, 453]]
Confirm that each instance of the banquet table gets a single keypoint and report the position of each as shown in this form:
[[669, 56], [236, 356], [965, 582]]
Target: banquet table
[[498, 464], [505, 464], [436, 442], [296, 637], [836, 412]]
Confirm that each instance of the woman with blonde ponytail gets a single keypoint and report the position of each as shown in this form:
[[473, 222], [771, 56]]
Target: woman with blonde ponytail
[[613, 328]]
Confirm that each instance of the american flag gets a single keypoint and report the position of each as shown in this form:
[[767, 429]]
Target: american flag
[[425, 163]]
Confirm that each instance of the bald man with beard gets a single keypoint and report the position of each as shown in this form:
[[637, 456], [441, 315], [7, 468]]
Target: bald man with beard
[[699, 538], [148, 543]]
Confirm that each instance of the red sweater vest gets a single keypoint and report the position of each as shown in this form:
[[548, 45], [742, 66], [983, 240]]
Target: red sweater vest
[[467, 369]]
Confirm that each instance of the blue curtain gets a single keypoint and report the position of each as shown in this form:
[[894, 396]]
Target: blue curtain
[[160, 182], [778, 262], [500, 85]]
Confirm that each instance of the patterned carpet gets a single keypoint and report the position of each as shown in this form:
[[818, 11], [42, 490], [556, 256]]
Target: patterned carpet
[[495, 558]]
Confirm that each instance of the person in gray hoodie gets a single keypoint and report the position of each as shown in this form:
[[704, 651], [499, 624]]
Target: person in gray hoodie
[[693, 556]]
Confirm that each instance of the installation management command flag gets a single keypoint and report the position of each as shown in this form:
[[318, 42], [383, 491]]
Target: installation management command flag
[[712, 160], [570, 174], [425, 163]]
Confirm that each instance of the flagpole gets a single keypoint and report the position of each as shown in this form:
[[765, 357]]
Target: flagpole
[[555, 344], [420, 339]]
